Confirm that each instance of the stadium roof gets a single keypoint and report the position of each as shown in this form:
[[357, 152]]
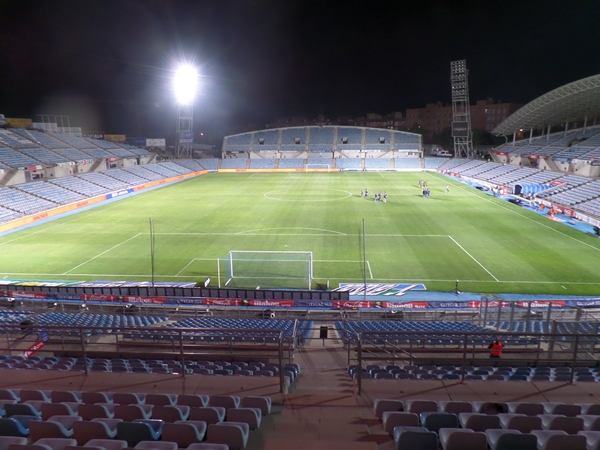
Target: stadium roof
[[569, 103]]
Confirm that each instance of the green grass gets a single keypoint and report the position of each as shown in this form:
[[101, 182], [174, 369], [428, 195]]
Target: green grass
[[489, 245]]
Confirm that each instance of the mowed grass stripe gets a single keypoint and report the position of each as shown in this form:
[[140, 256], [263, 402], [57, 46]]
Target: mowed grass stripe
[[407, 238]]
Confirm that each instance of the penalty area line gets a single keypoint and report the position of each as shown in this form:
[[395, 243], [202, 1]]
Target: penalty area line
[[370, 271]]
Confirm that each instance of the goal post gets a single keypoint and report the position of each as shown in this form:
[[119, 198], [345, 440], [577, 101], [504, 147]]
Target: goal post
[[318, 168], [251, 268]]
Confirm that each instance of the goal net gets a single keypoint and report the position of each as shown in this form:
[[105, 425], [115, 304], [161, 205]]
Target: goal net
[[318, 168], [247, 268]]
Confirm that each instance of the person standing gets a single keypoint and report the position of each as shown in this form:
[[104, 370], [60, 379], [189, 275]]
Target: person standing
[[447, 188], [495, 349]]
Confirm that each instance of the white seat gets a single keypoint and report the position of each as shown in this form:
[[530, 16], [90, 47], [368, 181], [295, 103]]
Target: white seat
[[559, 440], [459, 439]]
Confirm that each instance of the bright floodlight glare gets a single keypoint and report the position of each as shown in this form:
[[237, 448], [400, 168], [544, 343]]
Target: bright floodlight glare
[[185, 84]]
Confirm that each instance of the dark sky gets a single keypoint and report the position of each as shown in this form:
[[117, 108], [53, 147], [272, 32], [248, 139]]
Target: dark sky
[[107, 64]]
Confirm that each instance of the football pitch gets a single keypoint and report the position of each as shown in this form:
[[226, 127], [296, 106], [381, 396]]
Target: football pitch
[[487, 244]]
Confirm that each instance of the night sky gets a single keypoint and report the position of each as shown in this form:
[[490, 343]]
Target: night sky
[[107, 64]]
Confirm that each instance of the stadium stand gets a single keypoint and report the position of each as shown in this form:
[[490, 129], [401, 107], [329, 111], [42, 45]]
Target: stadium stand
[[257, 163], [209, 164], [234, 163], [407, 163], [51, 192], [291, 163]]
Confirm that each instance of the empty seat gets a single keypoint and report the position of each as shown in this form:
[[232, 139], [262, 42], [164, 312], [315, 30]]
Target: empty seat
[[96, 397], [34, 394], [153, 445], [127, 398], [193, 400], [570, 425], [84, 431], [129, 413], [393, 419], [593, 439], [559, 440], [16, 425], [433, 421], [479, 422], [55, 427], [21, 409], [590, 409], [263, 403], [56, 409], [209, 414], [65, 396], [529, 409], [420, 406], [382, 405], [136, 432], [6, 441], [56, 443], [251, 416], [107, 444], [161, 399], [89, 412], [520, 422], [224, 401], [184, 433], [207, 446], [456, 407], [510, 440], [233, 434], [561, 408], [458, 439], [411, 439], [590, 422], [171, 413]]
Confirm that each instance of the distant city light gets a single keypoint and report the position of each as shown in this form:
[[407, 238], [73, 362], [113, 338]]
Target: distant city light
[[185, 84]]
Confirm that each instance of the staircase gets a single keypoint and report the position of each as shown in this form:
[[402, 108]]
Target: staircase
[[322, 412]]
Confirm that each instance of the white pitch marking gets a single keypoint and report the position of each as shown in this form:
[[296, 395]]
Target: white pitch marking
[[100, 254], [528, 218], [473, 258], [370, 272]]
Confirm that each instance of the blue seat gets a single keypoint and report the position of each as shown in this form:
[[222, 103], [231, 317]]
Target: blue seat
[[13, 426]]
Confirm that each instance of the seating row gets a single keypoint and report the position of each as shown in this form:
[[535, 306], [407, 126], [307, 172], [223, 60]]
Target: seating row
[[477, 425], [181, 424], [433, 372]]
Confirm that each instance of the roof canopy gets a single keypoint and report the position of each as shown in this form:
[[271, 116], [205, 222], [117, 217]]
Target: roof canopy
[[568, 103]]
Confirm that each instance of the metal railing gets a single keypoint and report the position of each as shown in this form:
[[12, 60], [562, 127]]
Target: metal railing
[[462, 349], [181, 344]]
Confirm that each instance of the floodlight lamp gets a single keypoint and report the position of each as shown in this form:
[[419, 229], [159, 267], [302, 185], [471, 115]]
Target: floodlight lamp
[[185, 84]]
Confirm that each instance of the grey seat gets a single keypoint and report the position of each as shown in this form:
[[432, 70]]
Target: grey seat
[[420, 406], [559, 440], [459, 439], [510, 440], [434, 421], [529, 409], [393, 419], [85, 431], [520, 422], [479, 422], [382, 405], [233, 434], [570, 425], [409, 439], [455, 407], [184, 433]]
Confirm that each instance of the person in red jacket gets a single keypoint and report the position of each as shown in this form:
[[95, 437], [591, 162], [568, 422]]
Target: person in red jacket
[[495, 349]]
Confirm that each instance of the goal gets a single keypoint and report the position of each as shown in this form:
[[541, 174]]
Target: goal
[[249, 268], [318, 168]]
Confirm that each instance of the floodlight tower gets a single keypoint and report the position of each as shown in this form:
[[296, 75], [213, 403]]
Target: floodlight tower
[[185, 84], [461, 111]]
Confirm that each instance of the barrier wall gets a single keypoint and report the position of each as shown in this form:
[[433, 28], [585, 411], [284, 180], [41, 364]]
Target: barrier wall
[[320, 299], [91, 201], [277, 170]]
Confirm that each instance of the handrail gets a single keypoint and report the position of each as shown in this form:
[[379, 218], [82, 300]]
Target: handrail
[[573, 348]]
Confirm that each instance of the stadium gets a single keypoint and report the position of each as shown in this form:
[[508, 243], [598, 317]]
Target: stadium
[[329, 284]]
